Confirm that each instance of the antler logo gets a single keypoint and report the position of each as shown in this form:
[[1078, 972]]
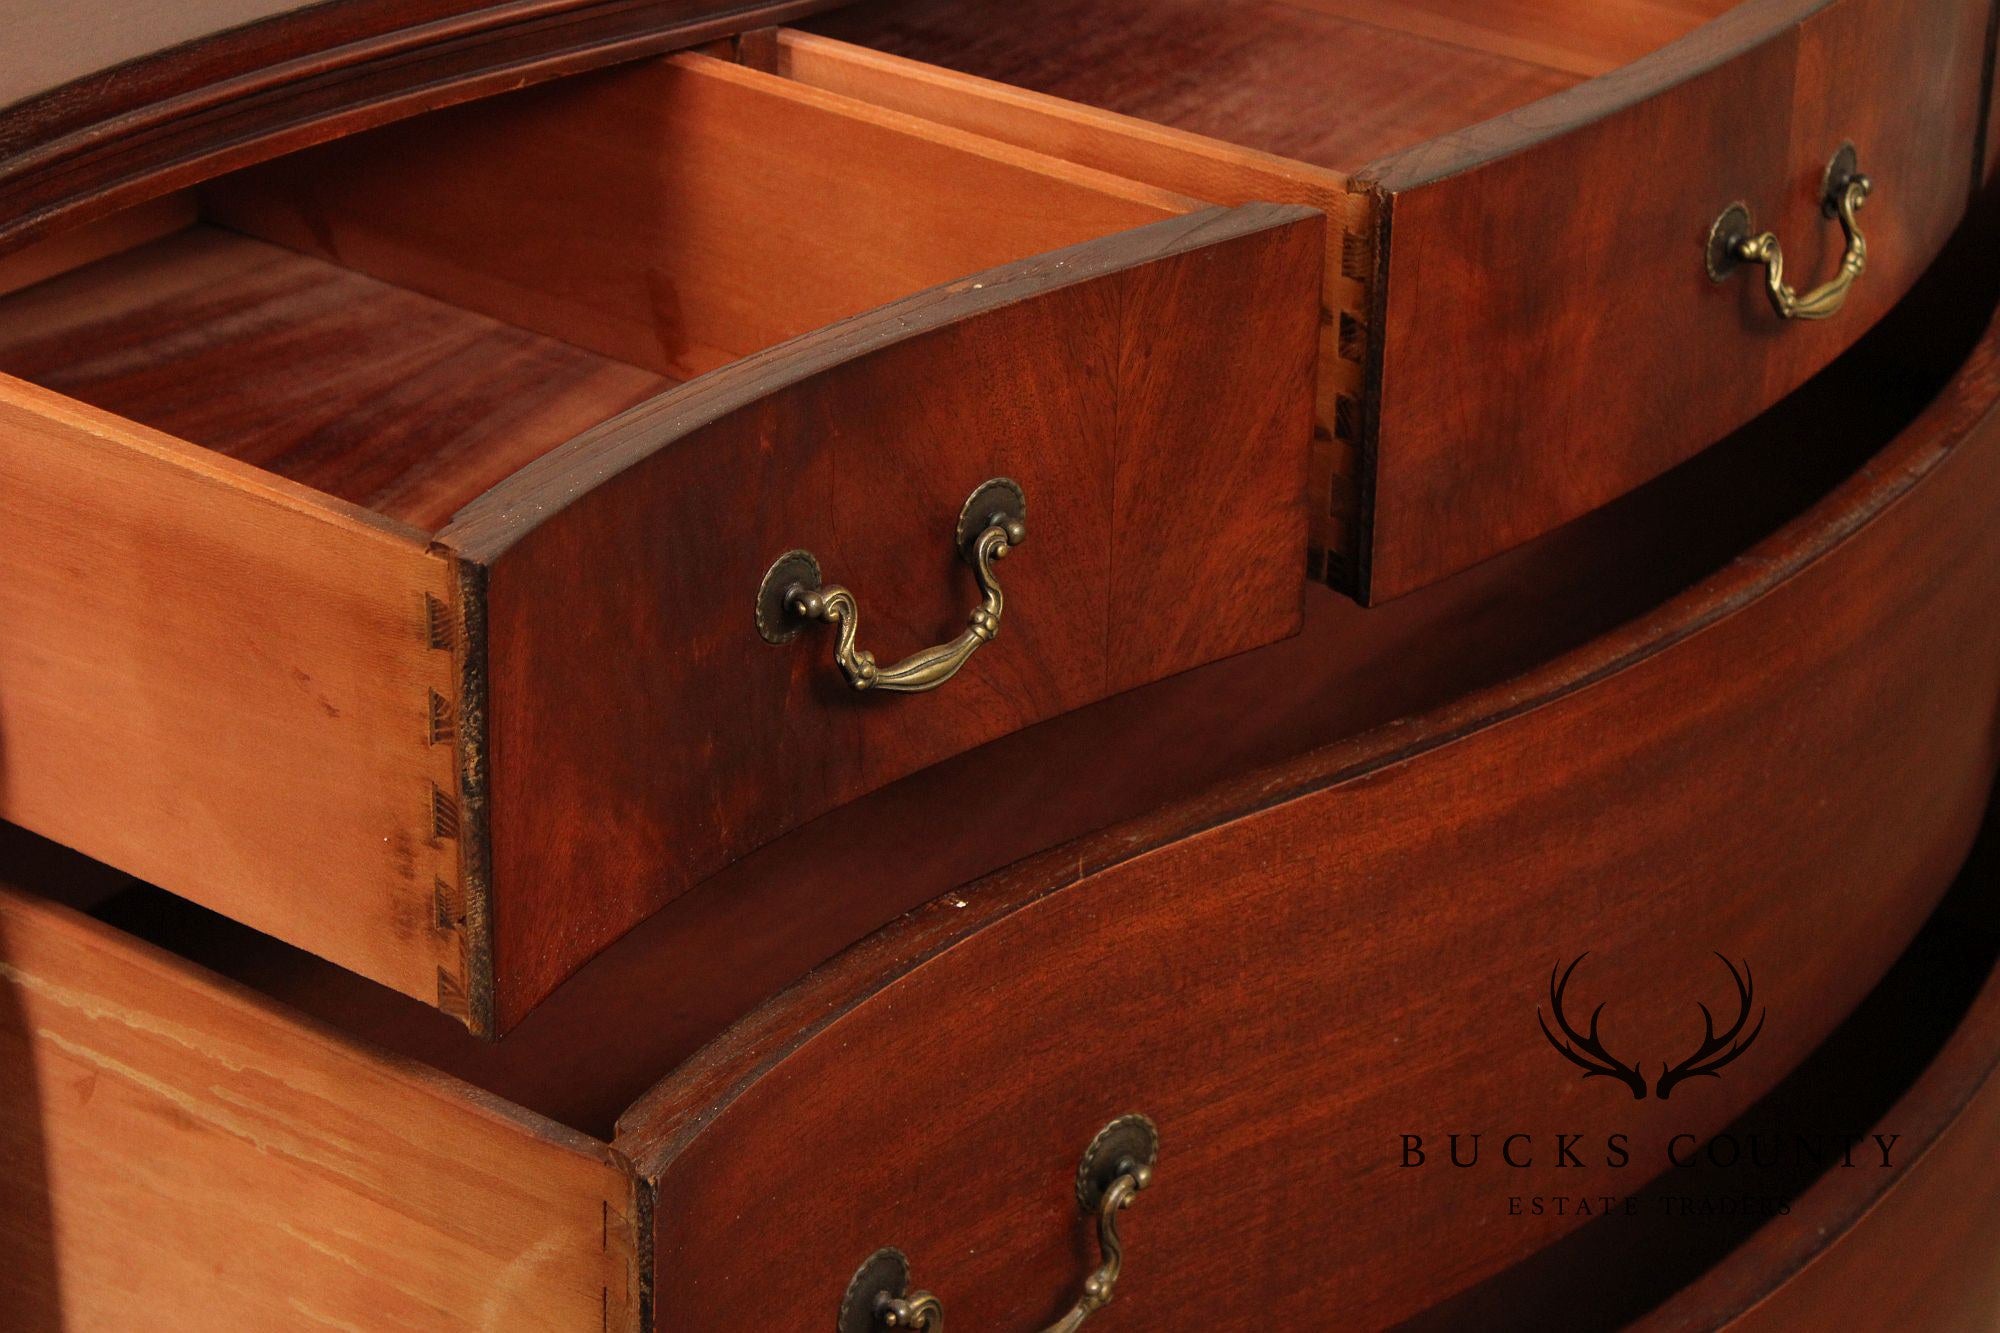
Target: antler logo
[[1587, 1052]]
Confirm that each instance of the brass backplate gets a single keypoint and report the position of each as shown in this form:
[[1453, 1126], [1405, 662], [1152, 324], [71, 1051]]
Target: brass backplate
[[1129, 1141], [886, 1275]]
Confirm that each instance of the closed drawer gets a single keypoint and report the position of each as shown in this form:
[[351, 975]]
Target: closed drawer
[[1908, 1245], [387, 522], [179, 1151], [1520, 321], [1714, 830], [1287, 972]]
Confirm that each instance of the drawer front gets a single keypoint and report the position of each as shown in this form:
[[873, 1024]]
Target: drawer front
[[223, 683], [1150, 395], [1909, 1246], [459, 757], [179, 1153], [1566, 243], [1289, 992]]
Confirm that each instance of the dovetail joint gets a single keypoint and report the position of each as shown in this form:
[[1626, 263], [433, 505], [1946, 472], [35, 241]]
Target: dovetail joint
[[1353, 336], [1346, 419], [438, 620], [448, 904], [444, 815], [1357, 256], [451, 995], [443, 721]]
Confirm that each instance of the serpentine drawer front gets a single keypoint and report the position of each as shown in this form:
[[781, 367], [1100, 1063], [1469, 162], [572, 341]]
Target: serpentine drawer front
[[1521, 322], [817, 664], [1155, 1078], [332, 605], [508, 515]]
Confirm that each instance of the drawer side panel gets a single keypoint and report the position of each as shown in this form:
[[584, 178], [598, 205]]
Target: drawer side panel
[[232, 688], [178, 1154]]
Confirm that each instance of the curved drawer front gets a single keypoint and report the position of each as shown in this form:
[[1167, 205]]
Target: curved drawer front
[[1521, 323], [1925, 1259], [642, 733], [581, 403], [1909, 1247], [1784, 768], [1568, 243]]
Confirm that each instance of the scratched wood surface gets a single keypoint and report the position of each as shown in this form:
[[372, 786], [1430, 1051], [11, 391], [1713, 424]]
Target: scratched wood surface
[[179, 1154]]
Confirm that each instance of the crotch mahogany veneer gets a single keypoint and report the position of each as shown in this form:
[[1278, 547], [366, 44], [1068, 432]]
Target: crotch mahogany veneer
[[415, 483]]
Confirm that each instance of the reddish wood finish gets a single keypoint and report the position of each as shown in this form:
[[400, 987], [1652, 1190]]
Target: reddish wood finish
[[1274, 76], [1925, 1258], [1990, 166], [354, 387], [686, 213], [1651, 798], [1565, 242], [1503, 763], [809, 894], [108, 137], [1913, 1250], [1587, 37], [179, 1155], [683, 213], [1562, 237], [1170, 159], [640, 735], [676, 214]]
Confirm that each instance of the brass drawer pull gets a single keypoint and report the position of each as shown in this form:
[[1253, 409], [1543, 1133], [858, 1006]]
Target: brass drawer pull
[[993, 522], [1731, 243], [1115, 1167]]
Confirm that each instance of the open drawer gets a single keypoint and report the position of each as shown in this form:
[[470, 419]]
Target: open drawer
[[1522, 317], [1287, 967], [371, 575]]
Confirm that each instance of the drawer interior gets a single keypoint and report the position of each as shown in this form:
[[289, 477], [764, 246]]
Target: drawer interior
[[405, 317], [1335, 83], [402, 318], [1285, 100], [700, 963]]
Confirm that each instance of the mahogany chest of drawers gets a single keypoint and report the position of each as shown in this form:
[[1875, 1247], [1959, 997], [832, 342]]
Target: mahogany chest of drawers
[[691, 666]]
